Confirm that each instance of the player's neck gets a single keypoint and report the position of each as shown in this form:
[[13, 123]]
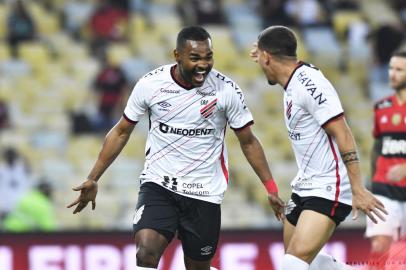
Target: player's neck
[[401, 96], [287, 69]]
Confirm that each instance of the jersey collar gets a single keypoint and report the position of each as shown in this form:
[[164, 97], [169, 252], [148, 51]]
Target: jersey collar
[[181, 84], [298, 65]]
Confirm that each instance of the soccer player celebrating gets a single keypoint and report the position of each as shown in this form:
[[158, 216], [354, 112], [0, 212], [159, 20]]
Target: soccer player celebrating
[[389, 163], [328, 181], [185, 176]]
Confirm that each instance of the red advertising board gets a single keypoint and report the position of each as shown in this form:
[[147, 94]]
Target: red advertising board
[[242, 250]]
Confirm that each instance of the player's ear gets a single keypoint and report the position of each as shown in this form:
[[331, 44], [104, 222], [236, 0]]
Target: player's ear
[[176, 55], [267, 56]]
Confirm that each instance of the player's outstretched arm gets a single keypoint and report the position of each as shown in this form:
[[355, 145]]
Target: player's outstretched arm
[[114, 142], [255, 155], [362, 199]]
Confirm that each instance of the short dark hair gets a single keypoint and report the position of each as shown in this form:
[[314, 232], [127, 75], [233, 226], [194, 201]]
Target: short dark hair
[[399, 53], [197, 33], [278, 40]]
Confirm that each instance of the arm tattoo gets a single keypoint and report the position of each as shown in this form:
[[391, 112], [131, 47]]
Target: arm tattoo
[[350, 157]]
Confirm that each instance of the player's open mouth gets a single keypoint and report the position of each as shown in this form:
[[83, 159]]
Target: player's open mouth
[[199, 76]]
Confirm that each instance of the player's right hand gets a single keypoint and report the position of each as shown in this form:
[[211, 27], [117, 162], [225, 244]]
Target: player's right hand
[[88, 192], [278, 206], [365, 201]]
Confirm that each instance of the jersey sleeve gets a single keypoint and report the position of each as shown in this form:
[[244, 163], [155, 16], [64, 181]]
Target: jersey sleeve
[[322, 102], [237, 113], [137, 104]]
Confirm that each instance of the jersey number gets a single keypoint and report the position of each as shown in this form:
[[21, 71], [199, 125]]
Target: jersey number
[[170, 183]]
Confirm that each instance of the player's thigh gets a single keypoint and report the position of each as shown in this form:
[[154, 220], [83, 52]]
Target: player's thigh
[[288, 230], [389, 227], [312, 231], [155, 211], [199, 229], [292, 213]]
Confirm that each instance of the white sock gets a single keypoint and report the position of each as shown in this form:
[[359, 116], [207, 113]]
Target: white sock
[[327, 262], [144, 268], [291, 262]]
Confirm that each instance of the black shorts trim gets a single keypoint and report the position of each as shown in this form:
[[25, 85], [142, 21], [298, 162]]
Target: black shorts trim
[[320, 205]]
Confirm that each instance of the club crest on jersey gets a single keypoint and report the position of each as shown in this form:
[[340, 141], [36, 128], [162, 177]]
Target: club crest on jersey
[[396, 119], [288, 109], [207, 110]]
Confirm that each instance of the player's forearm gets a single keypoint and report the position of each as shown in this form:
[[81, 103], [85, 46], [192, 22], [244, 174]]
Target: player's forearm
[[255, 155], [349, 154], [112, 146]]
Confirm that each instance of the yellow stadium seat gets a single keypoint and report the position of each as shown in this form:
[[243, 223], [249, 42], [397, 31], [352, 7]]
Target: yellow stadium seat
[[341, 21], [4, 52], [48, 24], [118, 52], [3, 20], [35, 54]]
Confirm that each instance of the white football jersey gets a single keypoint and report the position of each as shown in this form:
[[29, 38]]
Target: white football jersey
[[310, 101], [185, 149]]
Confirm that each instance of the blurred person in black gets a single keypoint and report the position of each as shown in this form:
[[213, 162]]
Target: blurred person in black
[[20, 26], [384, 40], [273, 12], [4, 116], [201, 12]]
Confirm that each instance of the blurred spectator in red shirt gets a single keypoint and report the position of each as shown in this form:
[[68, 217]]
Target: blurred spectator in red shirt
[[108, 23], [110, 85]]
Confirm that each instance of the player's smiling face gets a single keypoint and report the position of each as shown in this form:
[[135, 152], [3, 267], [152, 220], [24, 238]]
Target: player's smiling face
[[195, 61]]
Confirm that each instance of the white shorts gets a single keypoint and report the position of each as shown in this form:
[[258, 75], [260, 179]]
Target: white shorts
[[395, 224]]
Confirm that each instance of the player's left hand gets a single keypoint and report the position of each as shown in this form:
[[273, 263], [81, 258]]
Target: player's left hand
[[254, 52], [277, 205], [365, 201], [396, 173]]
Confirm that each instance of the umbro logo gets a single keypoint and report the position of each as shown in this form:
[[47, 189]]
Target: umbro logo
[[206, 250], [164, 104]]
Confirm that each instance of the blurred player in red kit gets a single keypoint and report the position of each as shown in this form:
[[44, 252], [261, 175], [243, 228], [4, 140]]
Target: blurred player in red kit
[[389, 164]]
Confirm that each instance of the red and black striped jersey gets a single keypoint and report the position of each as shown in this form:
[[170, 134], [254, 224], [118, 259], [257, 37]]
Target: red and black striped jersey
[[390, 131]]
